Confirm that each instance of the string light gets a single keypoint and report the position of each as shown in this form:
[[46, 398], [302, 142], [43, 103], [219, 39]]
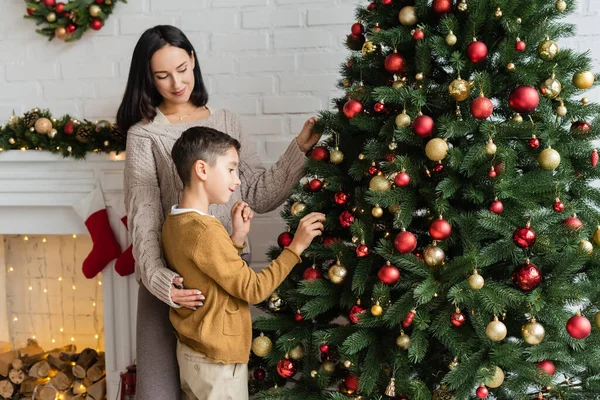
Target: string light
[[99, 283], [30, 287], [53, 340], [74, 288], [95, 336], [43, 240], [15, 319], [60, 278], [45, 290], [25, 238], [72, 339], [33, 337], [94, 304], [11, 269], [61, 329], [74, 236]]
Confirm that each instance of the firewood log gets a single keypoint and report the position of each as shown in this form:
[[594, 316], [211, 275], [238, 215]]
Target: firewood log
[[16, 376], [62, 380], [6, 389], [58, 364], [79, 387], [6, 360], [40, 369], [45, 392], [31, 349], [98, 390], [28, 385], [97, 371], [86, 359], [17, 363]]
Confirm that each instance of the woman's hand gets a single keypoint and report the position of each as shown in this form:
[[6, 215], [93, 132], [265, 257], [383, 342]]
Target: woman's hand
[[241, 214], [306, 139], [189, 298]]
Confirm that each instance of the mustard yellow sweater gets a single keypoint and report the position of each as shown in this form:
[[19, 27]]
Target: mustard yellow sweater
[[199, 248]]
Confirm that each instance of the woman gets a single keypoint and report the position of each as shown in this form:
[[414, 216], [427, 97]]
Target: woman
[[164, 96]]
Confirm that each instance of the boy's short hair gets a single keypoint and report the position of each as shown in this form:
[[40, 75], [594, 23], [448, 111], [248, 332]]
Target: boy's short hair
[[200, 143]]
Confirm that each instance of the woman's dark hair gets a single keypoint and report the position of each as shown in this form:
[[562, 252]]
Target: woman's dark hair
[[141, 96]]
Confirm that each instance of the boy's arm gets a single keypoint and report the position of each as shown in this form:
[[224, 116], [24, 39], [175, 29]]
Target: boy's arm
[[217, 257]]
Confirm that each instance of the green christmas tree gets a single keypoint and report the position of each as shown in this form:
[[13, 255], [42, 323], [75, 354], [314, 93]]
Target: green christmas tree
[[459, 257]]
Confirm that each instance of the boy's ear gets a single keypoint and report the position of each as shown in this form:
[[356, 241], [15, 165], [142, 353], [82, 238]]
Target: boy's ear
[[199, 169]]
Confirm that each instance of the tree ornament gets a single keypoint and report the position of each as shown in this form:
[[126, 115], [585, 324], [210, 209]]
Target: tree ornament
[[48, 3], [368, 47], [498, 12], [423, 126], [405, 242], [583, 79], [377, 212], [418, 34], [403, 120], [399, 83], [482, 107], [490, 147], [341, 198], [578, 326], [524, 99], [389, 274], [262, 345], [352, 108], [387, 2], [511, 66], [496, 330], [441, 6], [549, 159], [377, 310], [462, 6], [298, 316], [351, 382], [380, 183], [373, 169], [312, 273], [451, 39], [433, 255], [440, 229], [53, 132], [336, 156], [324, 348], [517, 118], [534, 142], [43, 126], [403, 341], [355, 312], [597, 319], [573, 223], [402, 179], [315, 185], [12, 140], [379, 107], [459, 89], [547, 50], [533, 332], [596, 237], [492, 173], [585, 247], [372, 7], [275, 302], [520, 45], [394, 63], [438, 168], [320, 153], [558, 205], [337, 273], [357, 29], [95, 10], [362, 250], [458, 318], [96, 24], [560, 5], [482, 392], [477, 51], [551, 87], [346, 219], [298, 208], [442, 392], [286, 368], [407, 16], [285, 239], [419, 76], [71, 28], [409, 318], [594, 158], [297, 352], [259, 374], [475, 281], [390, 390], [69, 128], [61, 33], [547, 366], [524, 237], [436, 149], [581, 127], [561, 110], [51, 17], [496, 207]]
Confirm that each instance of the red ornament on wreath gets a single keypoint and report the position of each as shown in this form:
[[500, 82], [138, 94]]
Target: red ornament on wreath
[[346, 219], [69, 128], [311, 273], [534, 142], [354, 313], [594, 158], [286, 368], [320, 153], [547, 366], [341, 198], [405, 242], [59, 8], [352, 107], [30, 11], [423, 126], [362, 250], [96, 24], [71, 28], [402, 179], [394, 63], [440, 229], [477, 51], [315, 185], [520, 45], [351, 382], [49, 3], [524, 99], [284, 239], [527, 276], [558, 205], [441, 6], [458, 318], [578, 326], [409, 318], [357, 29], [496, 207], [573, 223], [524, 237], [482, 392], [482, 107], [389, 274]]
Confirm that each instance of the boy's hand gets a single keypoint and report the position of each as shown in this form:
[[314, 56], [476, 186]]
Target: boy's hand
[[241, 214], [309, 227]]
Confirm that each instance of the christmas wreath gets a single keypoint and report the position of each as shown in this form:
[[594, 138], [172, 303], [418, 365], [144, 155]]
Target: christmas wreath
[[38, 130], [69, 21]]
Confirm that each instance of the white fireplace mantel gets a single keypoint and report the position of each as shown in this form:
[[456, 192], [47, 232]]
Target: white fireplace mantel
[[37, 193]]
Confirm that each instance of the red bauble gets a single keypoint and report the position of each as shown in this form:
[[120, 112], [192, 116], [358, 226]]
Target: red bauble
[[286, 368], [423, 126], [405, 242], [558, 206], [284, 239], [492, 173], [458, 319], [69, 128], [352, 107], [496, 207], [71, 28], [310, 274], [524, 99], [357, 29], [527, 277], [372, 7], [259, 374], [59, 8], [524, 237], [315, 185], [582, 126], [579, 327], [373, 170], [534, 143], [440, 229], [439, 167], [418, 34], [389, 274], [346, 219], [49, 3], [324, 348], [351, 382], [100, 1], [320, 153], [441, 6], [330, 239], [362, 250], [477, 51], [573, 223], [482, 392], [402, 179], [298, 317], [499, 168], [386, 2], [355, 311], [379, 107], [340, 198], [96, 24], [394, 63], [390, 157], [409, 318], [547, 366], [482, 107], [594, 158], [520, 46], [30, 11]]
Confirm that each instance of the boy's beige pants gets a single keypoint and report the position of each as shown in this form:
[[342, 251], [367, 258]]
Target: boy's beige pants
[[202, 379]]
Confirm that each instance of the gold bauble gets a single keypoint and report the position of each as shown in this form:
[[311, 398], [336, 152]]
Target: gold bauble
[[496, 330], [43, 126], [585, 101], [361, 156], [377, 212], [314, 373], [548, 50], [433, 255], [376, 310], [561, 110], [560, 5], [597, 319], [436, 149], [459, 89], [497, 380], [551, 87], [52, 134], [596, 237], [399, 83], [583, 80], [403, 120], [403, 341], [475, 281], [462, 6], [328, 366], [442, 393], [61, 32], [103, 124], [533, 332], [511, 66], [336, 156], [451, 39], [394, 208], [380, 183], [490, 147], [337, 272], [407, 16], [368, 47], [549, 159], [296, 353], [419, 76], [95, 10], [262, 345], [275, 302], [51, 17], [347, 364], [298, 208], [585, 247], [518, 118], [106, 143], [12, 140]]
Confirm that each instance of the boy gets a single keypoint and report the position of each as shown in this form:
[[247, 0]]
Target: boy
[[214, 340]]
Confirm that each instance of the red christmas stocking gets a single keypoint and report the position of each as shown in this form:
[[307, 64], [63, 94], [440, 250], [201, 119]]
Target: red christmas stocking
[[125, 264], [92, 210]]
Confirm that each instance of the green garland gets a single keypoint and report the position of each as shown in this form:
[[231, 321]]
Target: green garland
[[38, 130], [69, 21]]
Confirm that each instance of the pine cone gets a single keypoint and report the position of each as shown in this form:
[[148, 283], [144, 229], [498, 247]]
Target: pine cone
[[116, 135], [84, 133], [30, 117]]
